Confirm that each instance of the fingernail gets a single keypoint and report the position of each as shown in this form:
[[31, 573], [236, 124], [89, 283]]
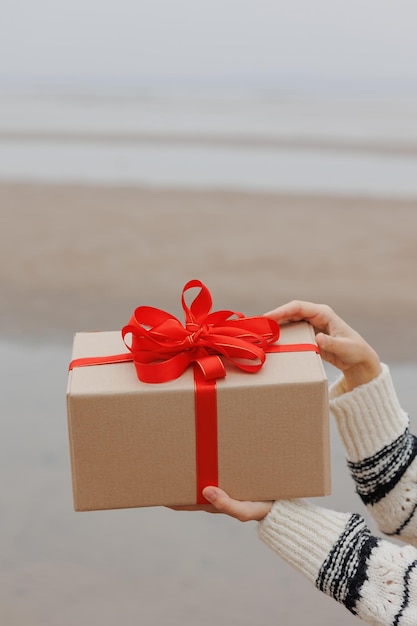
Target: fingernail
[[209, 493]]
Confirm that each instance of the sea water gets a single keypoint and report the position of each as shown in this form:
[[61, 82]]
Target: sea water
[[251, 141]]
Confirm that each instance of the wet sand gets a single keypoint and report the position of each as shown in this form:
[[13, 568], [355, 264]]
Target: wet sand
[[79, 258]]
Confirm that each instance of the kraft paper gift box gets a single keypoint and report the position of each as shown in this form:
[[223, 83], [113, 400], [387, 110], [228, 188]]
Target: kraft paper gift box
[[133, 443]]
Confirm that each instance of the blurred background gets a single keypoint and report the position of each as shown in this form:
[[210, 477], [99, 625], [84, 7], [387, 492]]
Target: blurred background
[[266, 148]]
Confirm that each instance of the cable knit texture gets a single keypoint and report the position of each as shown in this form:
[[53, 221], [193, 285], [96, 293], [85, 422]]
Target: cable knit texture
[[375, 579], [369, 417]]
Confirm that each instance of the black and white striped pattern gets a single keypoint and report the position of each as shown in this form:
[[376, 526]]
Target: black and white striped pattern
[[378, 475], [344, 571], [411, 569]]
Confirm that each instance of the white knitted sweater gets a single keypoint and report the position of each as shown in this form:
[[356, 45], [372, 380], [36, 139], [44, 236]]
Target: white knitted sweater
[[375, 579]]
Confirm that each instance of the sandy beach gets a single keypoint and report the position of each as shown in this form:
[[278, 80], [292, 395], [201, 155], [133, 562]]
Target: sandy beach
[[83, 257]]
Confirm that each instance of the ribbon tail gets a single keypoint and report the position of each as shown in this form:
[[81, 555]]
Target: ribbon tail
[[101, 360], [293, 347], [205, 395]]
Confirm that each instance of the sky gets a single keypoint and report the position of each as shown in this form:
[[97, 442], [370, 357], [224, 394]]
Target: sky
[[258, 42]]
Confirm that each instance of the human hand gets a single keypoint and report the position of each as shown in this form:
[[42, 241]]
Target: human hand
[[220, 502], [339, 344]]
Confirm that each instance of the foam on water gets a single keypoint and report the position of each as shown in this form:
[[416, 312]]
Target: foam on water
[[249, 142]]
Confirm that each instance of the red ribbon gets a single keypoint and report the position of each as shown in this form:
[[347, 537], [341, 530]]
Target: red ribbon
[[162, 348]]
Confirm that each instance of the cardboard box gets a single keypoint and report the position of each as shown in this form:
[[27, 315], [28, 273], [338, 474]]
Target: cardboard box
[[133, 444]]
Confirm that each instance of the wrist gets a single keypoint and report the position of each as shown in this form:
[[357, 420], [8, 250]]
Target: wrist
[[368, 418]]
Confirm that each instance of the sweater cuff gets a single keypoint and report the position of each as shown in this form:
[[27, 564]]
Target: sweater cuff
[[302, 533], [369, 417]]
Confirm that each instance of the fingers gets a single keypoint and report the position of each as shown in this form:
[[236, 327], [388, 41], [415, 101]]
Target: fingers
[[242, 511], [336, 351], [339, 344], [218, 501], [319, 315], [208, 508], [341, 348]]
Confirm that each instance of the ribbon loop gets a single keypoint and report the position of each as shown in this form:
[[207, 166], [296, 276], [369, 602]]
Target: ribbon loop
[[162, 348]]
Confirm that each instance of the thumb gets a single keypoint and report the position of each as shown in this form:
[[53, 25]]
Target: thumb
[[242, 511], [337, 349], [330, 345]]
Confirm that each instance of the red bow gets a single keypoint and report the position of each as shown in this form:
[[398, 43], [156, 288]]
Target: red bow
[[163, 348]]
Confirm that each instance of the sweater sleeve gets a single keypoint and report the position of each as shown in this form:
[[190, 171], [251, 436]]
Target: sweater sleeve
[[374, 579], [381, 452]]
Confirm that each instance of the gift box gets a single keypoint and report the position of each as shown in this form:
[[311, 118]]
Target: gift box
[[260, 434]]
